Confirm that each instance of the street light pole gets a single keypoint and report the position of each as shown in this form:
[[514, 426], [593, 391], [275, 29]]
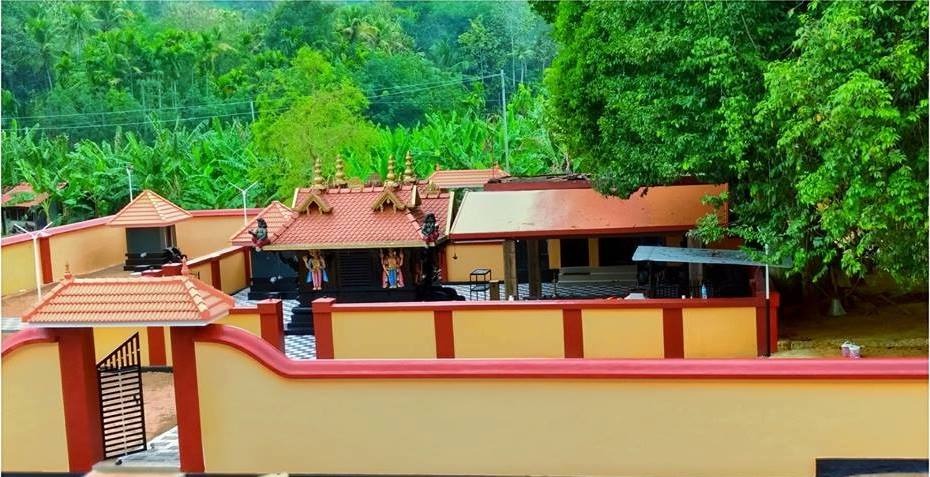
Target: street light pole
[[129, 173], [245, 218], [34, 235]]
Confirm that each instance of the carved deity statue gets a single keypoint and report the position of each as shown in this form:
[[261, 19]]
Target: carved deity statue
[[260, 235], [316, 269], [392, 275]]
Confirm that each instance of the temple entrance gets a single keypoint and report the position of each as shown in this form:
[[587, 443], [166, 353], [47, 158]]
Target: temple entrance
[[119, 378]]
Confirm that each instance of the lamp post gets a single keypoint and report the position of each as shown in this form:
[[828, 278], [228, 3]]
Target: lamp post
[[129, 173], [34, 235], [245, 191]]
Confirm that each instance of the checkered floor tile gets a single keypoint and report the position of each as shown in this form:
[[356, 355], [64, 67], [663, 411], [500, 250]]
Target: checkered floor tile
[[552, 290], [162, 452], [11, 325], [295, 347]]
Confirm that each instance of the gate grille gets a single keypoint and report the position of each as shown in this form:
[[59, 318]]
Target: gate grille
[[119, 378]]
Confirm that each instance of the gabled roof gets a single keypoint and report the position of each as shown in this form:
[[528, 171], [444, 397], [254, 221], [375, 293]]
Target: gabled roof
[[354, 222], [314, 198], [554, 213], [276, 216], [466, 178], [149, 209], [179, 300], [11, 198]]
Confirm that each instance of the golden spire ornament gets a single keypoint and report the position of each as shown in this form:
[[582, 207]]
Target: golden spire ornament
[[390, 174], [340, 172], [318, 174], [409, 176]]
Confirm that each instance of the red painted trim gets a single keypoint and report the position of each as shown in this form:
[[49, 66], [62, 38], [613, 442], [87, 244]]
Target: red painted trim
[[323, 327], [554, 304], [247, 259], [26, 337], [673, 333], [219, 254], [157, 352], [80, 397], [187, 398], [445, 334], [271, 314], [761, 331], [45, 256], [215, 276], [812, 369], [223, 212], [557, 233], [61, 229], [244, 310], [774, 301], [478, 242], [573, 333]]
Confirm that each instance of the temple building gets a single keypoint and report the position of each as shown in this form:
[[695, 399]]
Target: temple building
[[151, 238], [356, 244]]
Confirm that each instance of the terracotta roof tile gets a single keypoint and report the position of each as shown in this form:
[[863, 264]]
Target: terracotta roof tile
[[460, 179], [276, 215], [23, 189], [353, 223], [149, 209], [178, 299]]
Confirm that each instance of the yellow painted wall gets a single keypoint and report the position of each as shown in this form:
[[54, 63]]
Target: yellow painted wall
[[472, 256], [719, 332], [594, 257], [87, 250], [232, 271], [508, 334], [659, 428], [398, 334], [107, 339], [555, 253], [33, 430], [623, 333], [203, 235], [204, 272], [251, 322], [19, 270]]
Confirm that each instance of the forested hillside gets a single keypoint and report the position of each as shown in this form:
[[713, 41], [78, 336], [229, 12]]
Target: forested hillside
[[196, 96]]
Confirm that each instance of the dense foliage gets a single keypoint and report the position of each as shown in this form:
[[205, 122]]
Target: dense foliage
[[197, 96], [815, 114]]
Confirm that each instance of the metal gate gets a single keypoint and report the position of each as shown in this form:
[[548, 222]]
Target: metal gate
[[119, 378]]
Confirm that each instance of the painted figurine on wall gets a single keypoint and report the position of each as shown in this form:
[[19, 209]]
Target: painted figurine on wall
[[429, 230], [316, 269], [392, 276], [260, 235]]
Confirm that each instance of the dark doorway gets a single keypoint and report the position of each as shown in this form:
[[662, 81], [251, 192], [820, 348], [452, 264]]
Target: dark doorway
[[574, 252]]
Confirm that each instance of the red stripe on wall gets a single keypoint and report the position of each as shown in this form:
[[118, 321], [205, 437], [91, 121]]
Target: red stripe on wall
[[157, 352], [80, 397], [673, 333], [217, 280], [187, 398], [573, 333], [45, 256], [323, 327], [445, 337]]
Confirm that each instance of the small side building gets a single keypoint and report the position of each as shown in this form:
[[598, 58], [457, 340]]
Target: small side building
[[151, 239]]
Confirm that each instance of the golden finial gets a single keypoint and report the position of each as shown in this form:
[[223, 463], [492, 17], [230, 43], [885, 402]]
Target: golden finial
[[390, 174], [340, 172], [409, 176], [318, 174]]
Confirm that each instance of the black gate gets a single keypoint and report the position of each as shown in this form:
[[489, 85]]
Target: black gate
[[119, 377]]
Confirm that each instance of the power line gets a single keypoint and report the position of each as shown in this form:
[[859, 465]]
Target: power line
[[402, 89]]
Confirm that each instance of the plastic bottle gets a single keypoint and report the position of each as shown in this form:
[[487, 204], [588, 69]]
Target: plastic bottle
[[703, 290]]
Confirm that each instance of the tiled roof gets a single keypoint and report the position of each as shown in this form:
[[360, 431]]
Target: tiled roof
[[149, 209], [178, 300], [466, 178], [553, 213], [352, 221], [276, 216], [24, 190]]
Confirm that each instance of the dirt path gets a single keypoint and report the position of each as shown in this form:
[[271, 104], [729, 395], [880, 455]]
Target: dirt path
[[158, 396]]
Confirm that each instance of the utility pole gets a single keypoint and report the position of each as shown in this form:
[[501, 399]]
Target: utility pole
[[245, 218], [38, 260], [129, 173], [504, 114]]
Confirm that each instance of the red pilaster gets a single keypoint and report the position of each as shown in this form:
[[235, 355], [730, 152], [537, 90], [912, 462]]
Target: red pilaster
[[187, 398], [156, 341], [445, 338], [774, 301], [673, 333], [323, 327], [45, 256], [573, 333], [81, 398], [271, 314], [215, 274]]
